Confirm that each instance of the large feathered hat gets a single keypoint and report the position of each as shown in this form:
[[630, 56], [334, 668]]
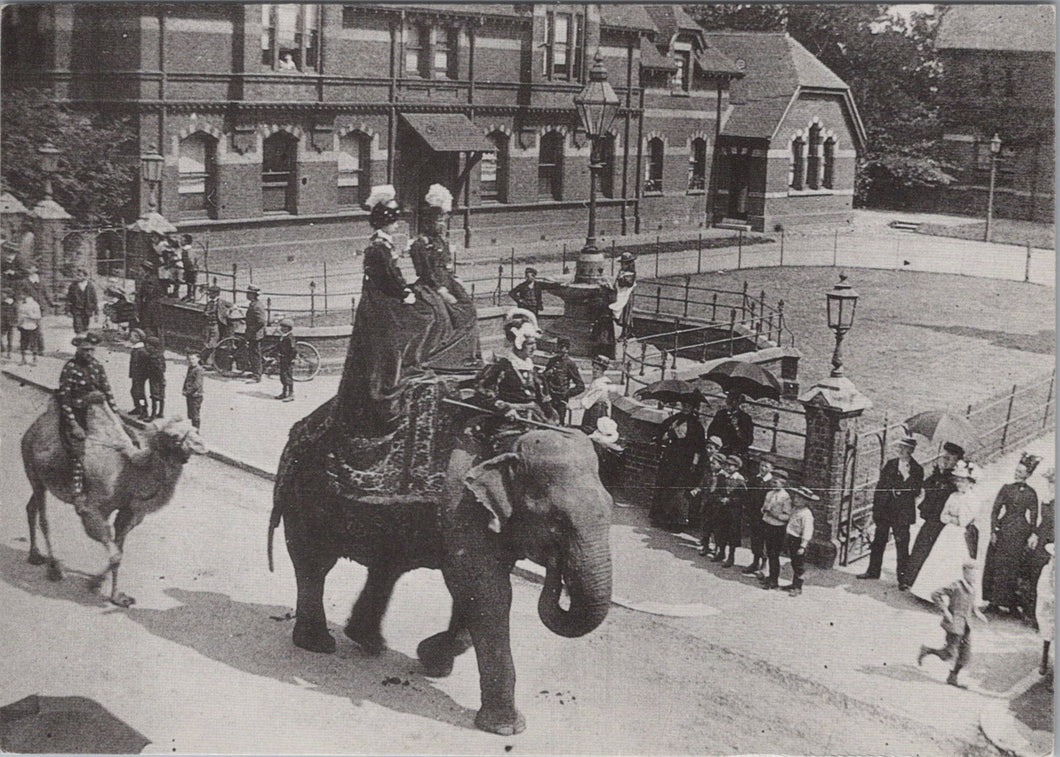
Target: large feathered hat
[[382, 202], [520, 324], [439, 199]]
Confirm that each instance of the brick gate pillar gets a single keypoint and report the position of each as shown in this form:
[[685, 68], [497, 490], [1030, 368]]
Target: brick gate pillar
[[49, 223], [833, 406]]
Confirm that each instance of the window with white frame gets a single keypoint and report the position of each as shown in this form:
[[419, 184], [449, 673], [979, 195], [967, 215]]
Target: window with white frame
[[563, 46], [353, 162], [290, 37], [550, 167], [493, 168], [653, 171], [697, 166], [797, 169], [431, 51], [197, 175], [682, 78]]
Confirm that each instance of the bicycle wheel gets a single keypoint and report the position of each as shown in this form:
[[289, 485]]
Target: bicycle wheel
[[230, 355], [306, 362]]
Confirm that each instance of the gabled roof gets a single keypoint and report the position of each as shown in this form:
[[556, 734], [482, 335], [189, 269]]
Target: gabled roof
[[1022, 28], [776, 69], [671, 19], [650, 57], [466, 9], [626, 16]]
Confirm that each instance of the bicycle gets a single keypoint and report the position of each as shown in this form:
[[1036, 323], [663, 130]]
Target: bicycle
[[231, 357]]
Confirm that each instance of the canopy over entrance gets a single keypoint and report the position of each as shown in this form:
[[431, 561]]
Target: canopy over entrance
[[448, 132]]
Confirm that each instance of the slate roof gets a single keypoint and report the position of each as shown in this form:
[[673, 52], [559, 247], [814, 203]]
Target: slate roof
[[775, 67], [626, 16], [670, 19], [1019, 28], [463, 9], [448, 132], [650, 57]]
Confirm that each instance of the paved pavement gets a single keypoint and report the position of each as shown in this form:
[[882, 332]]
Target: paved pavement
[[858, 638]]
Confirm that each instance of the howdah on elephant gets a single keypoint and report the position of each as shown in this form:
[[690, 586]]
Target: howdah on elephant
[[540, 499]]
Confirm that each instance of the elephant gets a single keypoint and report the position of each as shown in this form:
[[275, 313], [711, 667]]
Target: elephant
[[541, 499]]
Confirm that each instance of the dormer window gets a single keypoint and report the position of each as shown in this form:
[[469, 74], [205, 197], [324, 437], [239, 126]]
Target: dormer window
[[563, 47], [682, 78]]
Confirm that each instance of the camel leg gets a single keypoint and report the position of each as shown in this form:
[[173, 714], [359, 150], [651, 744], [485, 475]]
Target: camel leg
[[366, 617], [98, 529], [36, 509], [125, 522], [437, 652]]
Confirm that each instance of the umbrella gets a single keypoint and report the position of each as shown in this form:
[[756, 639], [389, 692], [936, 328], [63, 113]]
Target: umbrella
[[152, 222], [65, 725], [938, 426], [749, 379], [670, 391]]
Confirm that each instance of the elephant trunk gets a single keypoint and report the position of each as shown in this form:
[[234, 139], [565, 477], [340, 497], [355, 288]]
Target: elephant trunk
[[587, 576]]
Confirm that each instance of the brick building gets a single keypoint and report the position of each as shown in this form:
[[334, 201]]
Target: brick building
[[787, 154], [998, 73], [274, 120]]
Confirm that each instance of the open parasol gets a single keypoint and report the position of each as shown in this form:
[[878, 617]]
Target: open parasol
[[749, 379], [670, 391], [938, 426]]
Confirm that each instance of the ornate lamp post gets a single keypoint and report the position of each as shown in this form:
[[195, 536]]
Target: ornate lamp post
[[597, 106], [995, 148], [842, 302], [49, 163], [151, 170]]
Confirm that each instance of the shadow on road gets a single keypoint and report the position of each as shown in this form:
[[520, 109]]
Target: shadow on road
[[256, 639]]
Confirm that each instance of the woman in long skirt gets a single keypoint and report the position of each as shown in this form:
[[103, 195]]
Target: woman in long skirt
[[1012, 523], [950, 552]]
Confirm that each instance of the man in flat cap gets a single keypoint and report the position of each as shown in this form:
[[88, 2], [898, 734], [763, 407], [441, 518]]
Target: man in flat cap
[[257, 317], [937, 489], [563, 378], [527, 293], [894, 509], [81, 376]]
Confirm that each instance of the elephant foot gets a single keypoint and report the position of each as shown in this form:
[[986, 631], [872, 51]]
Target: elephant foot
[[313, 639], [371, 643], [36, 558], [55, 571], [121, 599], [506, 722], [437, 653]]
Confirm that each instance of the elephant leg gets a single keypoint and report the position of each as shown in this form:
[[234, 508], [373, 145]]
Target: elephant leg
[[483, 597], [437, 652], [311, 626], [366, 617]]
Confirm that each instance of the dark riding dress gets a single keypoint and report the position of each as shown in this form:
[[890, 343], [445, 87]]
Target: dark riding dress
[[453, 342]]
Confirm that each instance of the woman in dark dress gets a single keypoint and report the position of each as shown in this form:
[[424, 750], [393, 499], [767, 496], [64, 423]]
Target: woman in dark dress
[[1037, 556], [1012, 524], [453, 343], [389, 332], [680, 466]]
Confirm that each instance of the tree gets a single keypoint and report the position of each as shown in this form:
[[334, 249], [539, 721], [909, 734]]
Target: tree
[[98, 165]]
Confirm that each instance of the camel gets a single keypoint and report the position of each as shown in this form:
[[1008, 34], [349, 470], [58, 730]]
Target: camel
[[128, 472]]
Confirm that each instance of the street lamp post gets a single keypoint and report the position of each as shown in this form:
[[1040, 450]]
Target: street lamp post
[[151, 169], [995, 148], [842, 302], [597, 106], [49, 163]]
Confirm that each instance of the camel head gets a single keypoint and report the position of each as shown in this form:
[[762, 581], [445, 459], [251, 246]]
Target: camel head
[[176, 437]]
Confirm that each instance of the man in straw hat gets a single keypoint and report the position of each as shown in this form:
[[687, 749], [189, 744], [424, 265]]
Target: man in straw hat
[[256, 318], [894, 509], [81, 375]]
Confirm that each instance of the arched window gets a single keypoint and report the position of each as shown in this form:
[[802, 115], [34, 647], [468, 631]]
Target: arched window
[[605, 158], [354, 162], [829, 163], [278, 173], [493, 170], [550, 167], [697, 166], [653, 175], [197, 169], [797, 168], [813, 158]]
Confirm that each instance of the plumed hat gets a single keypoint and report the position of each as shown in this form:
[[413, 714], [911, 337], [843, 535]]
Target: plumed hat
[[520, 324], [382, 202], [439, 199], [1029, 461]]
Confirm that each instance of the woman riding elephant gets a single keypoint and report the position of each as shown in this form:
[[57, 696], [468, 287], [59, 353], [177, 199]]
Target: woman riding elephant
[[455, 346]]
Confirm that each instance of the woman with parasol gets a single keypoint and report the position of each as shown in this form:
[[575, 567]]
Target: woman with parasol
[[683, 454]]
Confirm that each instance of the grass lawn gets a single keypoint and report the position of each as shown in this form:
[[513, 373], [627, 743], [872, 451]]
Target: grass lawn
[[1003, 231], [920, 340]]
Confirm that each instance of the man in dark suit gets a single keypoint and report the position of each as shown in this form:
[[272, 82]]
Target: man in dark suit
[[937, 489], [215, 318], [257, 317], [563, 378], [894, 509], [733, 426], [527, 293], [82, 304]]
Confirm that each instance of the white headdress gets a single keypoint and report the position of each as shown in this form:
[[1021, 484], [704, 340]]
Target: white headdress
[[380, 193], [606, 431], [519, 324], [439, 197]]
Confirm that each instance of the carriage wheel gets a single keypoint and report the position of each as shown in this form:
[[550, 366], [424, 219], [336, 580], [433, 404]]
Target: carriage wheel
[[230, 355], [306, 362]]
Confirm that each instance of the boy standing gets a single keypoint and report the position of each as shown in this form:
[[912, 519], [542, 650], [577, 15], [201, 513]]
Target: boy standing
[[798, 535], [957, 602], [29, 324], [8, 323], [193, 388], [776, 512], [757, 488], [156, 376], [285, 351], [139, 369]]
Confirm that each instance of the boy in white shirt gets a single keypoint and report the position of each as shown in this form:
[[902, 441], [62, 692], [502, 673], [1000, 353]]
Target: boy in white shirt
[[799, 533]]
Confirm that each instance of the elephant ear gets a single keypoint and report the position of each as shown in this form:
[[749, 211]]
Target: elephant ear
[[488, 481]]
